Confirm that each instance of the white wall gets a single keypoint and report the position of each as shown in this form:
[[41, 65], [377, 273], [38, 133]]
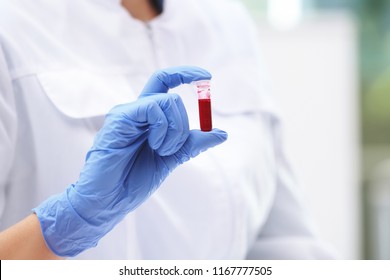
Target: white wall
[[314, 74]]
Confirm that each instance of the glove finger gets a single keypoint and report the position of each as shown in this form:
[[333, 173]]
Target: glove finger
[[128, 122], [178, 126], [158, 125], [168, 122], [196, 143], [162, 80]]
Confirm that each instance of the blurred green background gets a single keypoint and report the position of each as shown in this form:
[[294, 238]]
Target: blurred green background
[[373, 20]]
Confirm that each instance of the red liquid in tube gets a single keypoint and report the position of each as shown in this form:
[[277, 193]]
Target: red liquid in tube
[[205, 114], [202, 89]]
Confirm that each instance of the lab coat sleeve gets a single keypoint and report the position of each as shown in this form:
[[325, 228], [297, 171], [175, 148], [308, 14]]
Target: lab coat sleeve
[[7, 127], [288, 232]]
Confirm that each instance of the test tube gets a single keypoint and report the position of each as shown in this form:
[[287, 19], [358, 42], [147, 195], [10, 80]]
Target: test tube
[[203, 90]]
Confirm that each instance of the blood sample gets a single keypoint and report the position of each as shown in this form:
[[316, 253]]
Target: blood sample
[[203, 90]]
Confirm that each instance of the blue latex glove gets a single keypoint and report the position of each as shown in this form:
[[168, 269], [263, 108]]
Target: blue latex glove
[[138, 146]]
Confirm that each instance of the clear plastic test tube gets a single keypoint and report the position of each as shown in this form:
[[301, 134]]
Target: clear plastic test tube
[[203, 90]]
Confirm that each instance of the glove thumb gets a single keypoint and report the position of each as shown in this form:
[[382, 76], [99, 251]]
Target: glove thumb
[[196, 143]]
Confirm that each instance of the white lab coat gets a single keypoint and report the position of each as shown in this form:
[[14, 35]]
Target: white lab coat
[[64, 64]]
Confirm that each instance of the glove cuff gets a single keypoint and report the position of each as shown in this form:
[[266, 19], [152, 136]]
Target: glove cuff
[[66, 233]]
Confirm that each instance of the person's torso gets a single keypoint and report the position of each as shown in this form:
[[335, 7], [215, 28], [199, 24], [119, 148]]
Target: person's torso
[[71, 61]]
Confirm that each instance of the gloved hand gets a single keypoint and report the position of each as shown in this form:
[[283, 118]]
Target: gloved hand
[[138, 146]]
